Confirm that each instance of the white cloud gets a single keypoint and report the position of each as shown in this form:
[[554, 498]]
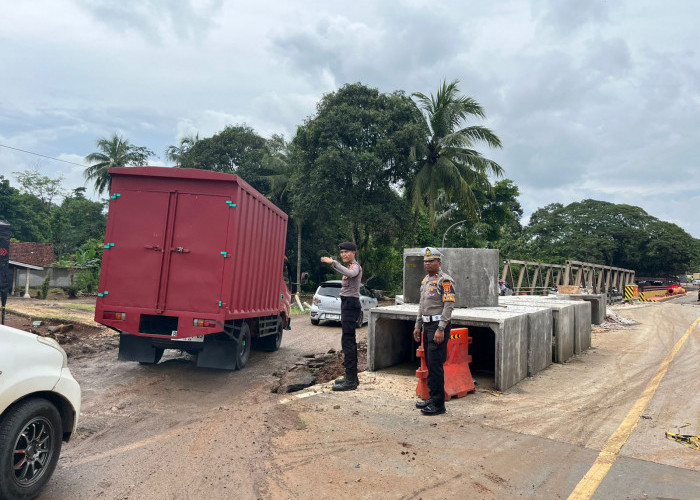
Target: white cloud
[[592, 100]]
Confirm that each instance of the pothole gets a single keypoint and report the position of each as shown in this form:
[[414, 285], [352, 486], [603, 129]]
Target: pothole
[[317, 369]]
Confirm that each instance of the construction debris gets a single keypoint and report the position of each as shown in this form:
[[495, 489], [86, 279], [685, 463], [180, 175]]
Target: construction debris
[[613, 321]]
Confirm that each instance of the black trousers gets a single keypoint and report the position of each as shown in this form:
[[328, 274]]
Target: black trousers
[[349, 313], [435, 357]]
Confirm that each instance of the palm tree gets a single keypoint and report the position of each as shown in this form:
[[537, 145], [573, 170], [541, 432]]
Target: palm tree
[[174, 153], [451, 165], [113, 152], [281, 178]]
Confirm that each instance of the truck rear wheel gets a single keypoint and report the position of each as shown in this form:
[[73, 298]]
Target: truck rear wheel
[[271, 343], [243, 346]]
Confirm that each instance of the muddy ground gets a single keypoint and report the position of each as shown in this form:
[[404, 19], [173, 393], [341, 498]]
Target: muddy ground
[[175, 431], [81, 337]]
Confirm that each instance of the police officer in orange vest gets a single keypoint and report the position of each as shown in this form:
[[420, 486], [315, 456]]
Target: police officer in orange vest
[[437, 299]]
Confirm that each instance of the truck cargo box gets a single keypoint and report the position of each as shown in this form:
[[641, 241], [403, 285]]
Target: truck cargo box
[[189, 253]]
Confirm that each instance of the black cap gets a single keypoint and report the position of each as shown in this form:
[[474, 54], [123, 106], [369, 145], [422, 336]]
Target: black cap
[[348, 245]]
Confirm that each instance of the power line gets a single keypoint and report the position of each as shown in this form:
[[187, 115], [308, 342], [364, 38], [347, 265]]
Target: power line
[[44, 156]]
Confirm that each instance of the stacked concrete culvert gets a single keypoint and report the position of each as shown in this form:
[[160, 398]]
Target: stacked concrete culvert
[[516, 336]]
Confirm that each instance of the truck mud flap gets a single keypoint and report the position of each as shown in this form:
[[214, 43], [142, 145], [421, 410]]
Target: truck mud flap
[[219, 354], [134, 348]]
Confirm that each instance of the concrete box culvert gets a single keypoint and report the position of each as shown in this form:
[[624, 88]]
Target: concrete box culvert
[[499, 335], [598, 303], [571, 332], [539, 335]]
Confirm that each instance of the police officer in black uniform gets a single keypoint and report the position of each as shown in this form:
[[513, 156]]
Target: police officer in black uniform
[[349, 311], [437, 299]]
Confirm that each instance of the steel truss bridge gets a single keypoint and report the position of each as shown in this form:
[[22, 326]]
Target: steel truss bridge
[[537, 278]]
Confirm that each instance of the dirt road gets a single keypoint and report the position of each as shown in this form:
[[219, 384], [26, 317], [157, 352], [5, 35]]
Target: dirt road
[[175, 431]]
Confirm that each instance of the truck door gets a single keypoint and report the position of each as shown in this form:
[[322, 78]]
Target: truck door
[[133, 254], [194, 274]]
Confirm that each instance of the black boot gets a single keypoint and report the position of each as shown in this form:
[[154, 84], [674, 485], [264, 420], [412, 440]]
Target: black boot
[[349, 383], [423, 404], [433, 409], [346, 385]]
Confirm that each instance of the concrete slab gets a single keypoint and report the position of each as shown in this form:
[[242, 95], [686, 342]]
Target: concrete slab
[[539, 335], [563, 322], [475, 271], [598, 304], [390, 340]]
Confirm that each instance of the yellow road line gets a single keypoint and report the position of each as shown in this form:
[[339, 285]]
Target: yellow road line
[[589, 484]]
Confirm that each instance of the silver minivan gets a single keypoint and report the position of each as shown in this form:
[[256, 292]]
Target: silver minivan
[[326, 302]]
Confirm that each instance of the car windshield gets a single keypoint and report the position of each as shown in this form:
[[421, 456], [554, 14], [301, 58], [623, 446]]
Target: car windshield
[[329, 291]]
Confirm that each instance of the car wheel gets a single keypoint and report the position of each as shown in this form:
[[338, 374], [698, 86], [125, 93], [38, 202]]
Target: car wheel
[[243, 347], [315, 321], [30, 443]]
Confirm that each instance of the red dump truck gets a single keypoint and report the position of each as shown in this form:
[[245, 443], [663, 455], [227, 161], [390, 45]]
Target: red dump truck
[[193, 260]]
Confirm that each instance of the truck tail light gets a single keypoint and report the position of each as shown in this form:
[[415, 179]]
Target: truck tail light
[[207, 323], [114, 315]]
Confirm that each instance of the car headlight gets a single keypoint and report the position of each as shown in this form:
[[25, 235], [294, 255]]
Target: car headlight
[[52, 343]]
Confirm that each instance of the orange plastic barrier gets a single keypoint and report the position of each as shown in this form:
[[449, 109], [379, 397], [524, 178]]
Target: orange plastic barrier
[[458, 377]]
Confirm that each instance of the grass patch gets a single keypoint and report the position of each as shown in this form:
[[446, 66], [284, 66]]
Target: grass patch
[[49, 315], [80, 307], [296, 311]]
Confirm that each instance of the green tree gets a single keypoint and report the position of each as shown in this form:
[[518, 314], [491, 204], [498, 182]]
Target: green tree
[[76, 221], [450, 164], [279, 172], [498, 224], [237, 149], [669, 251], [113, 152], [25, 212], [175, 153], [351, 160], [41, 186], [605, 233]]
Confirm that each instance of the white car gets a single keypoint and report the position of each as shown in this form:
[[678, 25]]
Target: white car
[[696, 281], [326, 303], [39, 408]]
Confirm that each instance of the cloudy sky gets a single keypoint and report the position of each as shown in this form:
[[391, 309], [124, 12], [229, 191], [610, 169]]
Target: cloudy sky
[[591, 99]]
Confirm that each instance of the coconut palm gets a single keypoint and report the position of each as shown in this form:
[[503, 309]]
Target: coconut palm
[[113, 152], [281, 176], [174, 153], [451, 165]]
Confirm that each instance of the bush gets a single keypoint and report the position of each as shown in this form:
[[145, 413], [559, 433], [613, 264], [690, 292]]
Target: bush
[[44, 290], [87, 280], [72, 291]]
